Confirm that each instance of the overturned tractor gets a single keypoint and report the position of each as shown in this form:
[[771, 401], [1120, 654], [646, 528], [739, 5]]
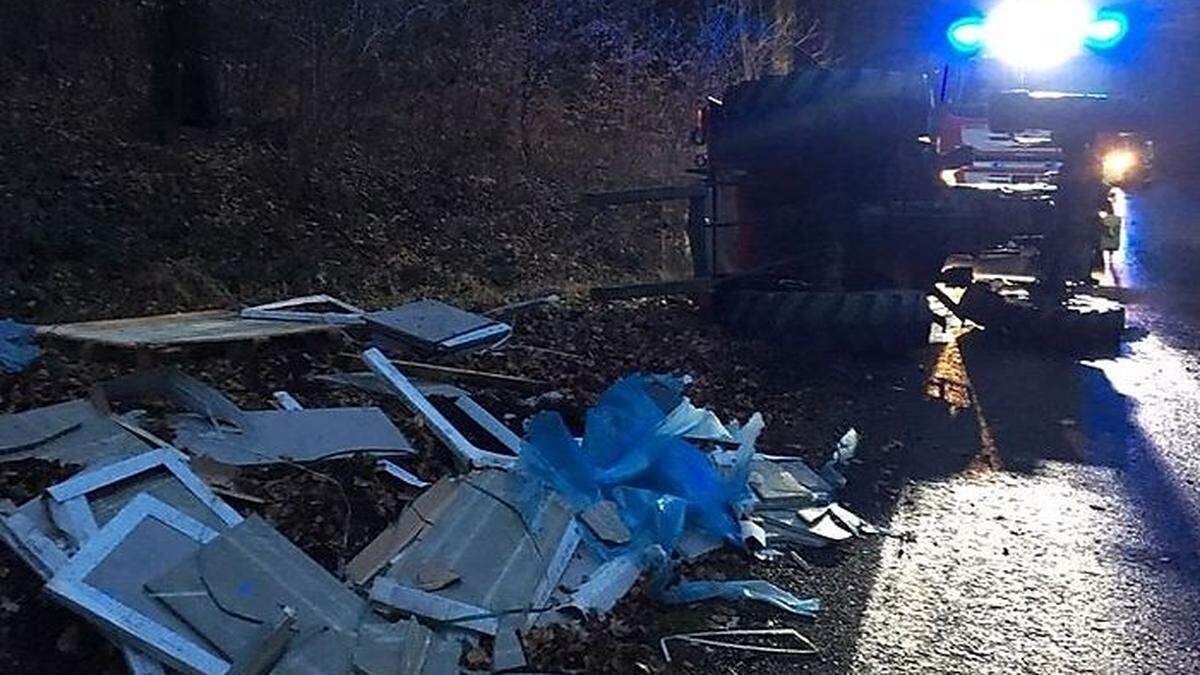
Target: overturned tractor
[[827, 217]]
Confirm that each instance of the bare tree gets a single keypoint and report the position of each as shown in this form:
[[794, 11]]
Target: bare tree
[[771, 39]]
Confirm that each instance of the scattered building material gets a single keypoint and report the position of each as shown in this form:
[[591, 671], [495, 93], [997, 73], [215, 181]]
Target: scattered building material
[[74, 432], [105, 582], [89, 500], [214, 426], [433, 326], [508, 654], [309, 435], [179, 330], [308, 310], [32, 535], [413, 520], [507, 540], [465, 451], [422, 651], [401, 474], [604, 520], [286, 401], [373, 383], [787, 483], [232, 588], [721, 639], [606, 585], [17, 348]]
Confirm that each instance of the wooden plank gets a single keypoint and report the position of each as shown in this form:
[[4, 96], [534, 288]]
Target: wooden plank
[[188, 328]]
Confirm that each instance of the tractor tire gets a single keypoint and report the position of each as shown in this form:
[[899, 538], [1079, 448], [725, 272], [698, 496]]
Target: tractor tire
[[1078, 324], [879, 322]]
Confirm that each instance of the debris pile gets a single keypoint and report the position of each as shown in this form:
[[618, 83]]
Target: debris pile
[[533, 529]]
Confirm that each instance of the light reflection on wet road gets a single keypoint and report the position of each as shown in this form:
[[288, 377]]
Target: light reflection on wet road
[[1075, 550]]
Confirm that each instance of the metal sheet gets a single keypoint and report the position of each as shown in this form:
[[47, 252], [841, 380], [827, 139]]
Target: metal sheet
[[189, 328], [383, 549], [218, 428], [235, 584], [508, 539], [308, 435], [406, 648], [431, 324], [74, 432]]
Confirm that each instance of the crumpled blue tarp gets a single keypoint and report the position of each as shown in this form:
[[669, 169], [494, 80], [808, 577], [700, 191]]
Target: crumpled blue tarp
[[17, 348], [755, 589], [624, 446]]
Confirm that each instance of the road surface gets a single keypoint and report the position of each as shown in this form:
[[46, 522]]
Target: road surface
[[1069, 543]]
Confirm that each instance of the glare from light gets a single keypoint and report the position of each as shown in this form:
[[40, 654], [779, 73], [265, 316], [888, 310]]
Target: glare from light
[[950, 177], [1107, 30], [967, 35], [1118, 164], [1038, 34]]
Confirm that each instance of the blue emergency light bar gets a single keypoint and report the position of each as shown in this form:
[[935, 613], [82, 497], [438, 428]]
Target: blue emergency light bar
[[1038, 34]]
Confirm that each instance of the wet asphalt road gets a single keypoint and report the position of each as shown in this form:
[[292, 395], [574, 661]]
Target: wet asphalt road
[[1069, 542]]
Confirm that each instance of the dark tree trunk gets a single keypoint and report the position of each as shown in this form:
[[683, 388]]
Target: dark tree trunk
[[183, 87]]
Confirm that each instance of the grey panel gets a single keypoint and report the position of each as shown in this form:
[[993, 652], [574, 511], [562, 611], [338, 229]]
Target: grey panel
[[73, 432], [507, 538], [150, 549], [238, 583], [405, 648], [299, 435], [430, 324]]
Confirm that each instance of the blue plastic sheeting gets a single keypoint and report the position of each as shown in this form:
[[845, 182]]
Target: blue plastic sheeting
[[17, 350], [624, 447], [652, 518], [762, 591]]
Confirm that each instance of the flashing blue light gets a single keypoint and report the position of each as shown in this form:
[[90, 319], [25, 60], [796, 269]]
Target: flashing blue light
[[1107, 30], [967, 35], [1038, 34]]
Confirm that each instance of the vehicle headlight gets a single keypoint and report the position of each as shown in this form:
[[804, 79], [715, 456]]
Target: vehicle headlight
[[1118, 164]]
